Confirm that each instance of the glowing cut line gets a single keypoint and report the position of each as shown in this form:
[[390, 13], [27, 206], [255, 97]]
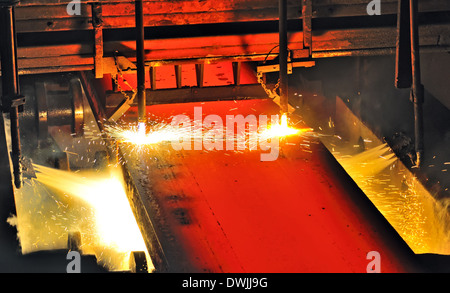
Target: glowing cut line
[[166, 133], [139, 136], [240, 133]]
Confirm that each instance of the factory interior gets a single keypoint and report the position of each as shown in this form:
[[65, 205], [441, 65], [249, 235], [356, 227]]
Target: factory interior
[[232, 136]]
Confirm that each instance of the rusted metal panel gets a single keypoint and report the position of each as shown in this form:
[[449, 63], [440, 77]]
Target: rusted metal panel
[[35, 16], [57, 61], [43, 70], [247, 47], [197, 94], [194, 94], [170, 11], [156, 13], [54, 51], [208, 46]]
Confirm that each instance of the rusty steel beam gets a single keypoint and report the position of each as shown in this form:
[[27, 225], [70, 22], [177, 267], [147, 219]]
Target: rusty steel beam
[[34, 16], [247, 47], [193, 94]]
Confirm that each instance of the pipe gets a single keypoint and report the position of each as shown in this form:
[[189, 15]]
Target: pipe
[[10, 84], [417, 90], [139, 15], [283, 57]]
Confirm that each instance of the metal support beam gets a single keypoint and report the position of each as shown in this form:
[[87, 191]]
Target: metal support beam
[[403, 70], [417, 90], [36, 17], [152, 73], [178, 75], [139, 17], [283, 57], [194, 94], [307, 24], [237, 73], [199, 71], [407, 71], [11, 100], [97, 23], [291, 66]]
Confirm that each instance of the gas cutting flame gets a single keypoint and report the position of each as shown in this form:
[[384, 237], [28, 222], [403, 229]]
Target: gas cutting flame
[[131, 134], [165, 132], [142, 129], [282, 129]]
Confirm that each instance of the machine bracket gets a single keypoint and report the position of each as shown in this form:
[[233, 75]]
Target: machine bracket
[[17, 101]]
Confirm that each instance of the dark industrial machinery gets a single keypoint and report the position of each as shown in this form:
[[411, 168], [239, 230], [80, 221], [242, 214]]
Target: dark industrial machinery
[[73, 70], [53, 101]]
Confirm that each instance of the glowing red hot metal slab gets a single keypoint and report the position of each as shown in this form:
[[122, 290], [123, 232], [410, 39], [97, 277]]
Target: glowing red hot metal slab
[[228, 211]]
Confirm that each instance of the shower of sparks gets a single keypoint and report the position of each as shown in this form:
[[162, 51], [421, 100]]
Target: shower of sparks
[[140, 136], [137, 135], [95, 204], [401, 198]]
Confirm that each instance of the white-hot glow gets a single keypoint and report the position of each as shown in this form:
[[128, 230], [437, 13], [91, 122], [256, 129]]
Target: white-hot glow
[[115, 230], [139, 136], [164, 132], [282, 129]]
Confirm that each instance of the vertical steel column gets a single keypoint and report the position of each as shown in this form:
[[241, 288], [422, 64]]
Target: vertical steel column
[[403, 70], [417, 90], [178, 75], [97, 23], [10, 84], [283, 56], [139, 16], [307, 24]]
